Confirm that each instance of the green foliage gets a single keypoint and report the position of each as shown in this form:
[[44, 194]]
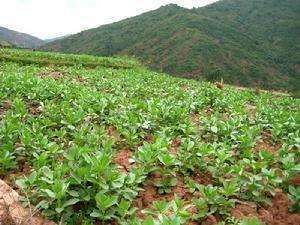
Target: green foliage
[[61, 129], [250, 221], [4, 44], [243, 42], [45, 59]]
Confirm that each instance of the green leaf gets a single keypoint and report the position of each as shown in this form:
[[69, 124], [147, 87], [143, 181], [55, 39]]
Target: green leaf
[[50, 193], [214, 129], [104, 201], [296, 168], [251, 221], [71, 201], [166, 159], [47, 172], [148, 221], [73, 193], [59, 210], [95, 214], [42, 205], [21, 183], [123, 207]]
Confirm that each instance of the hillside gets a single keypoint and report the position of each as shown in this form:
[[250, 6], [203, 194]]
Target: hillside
[[19, 39], [115, 143], [4, 43], [244, 42], [56, 38]]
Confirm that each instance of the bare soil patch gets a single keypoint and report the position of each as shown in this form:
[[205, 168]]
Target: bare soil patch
[[277, 214], [11, 211], [210, 220], [246, 209], [251, 109], [204, 178], [150, 193], [122, 158], [149, 138], [55, 75], [6, 105], [219, 85], [295, 180], [113, 133], [265, 143], [175, 146], [209, 111], [194, 117], [35, 108]]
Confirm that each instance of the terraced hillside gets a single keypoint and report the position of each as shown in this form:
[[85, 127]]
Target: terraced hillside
[[115, 143]]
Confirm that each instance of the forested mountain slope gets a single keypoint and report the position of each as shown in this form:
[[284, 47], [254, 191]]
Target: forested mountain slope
[[250, 43], [19, 39]]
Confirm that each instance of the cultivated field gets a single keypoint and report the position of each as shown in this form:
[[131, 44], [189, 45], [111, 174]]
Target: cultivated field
[[91, 140]]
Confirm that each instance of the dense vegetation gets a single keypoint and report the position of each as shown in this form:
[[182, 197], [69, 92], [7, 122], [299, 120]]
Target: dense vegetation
[[245, 42], [47, 59], [56, 38], [19, 39], [125, 145], [4, 43]]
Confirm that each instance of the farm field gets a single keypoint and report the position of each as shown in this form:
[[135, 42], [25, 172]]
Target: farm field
[[90, 140]]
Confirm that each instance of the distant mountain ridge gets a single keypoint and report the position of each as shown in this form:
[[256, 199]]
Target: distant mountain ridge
[[56, 38], [19, 39], [244, 42]]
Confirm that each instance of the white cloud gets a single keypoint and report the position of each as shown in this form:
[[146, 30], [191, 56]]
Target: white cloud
[[51, 18]]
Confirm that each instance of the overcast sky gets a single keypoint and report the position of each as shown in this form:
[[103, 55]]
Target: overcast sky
[[52, 18]]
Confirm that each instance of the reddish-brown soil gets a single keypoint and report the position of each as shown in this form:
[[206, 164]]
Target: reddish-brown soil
[[295, 180], [204, 178], [266, 144], [277, 214], [280, 211], [113, 133], [98, 222], [149, 138], [251, 109], [209, 111], [210, 220], [55, 75], [246, 209], [194, 117], [34, 108], [219, 85], [122, 158], [193, 223], [150, 193], [175, 146], [11, 211], [23, 168], [6, 105], [179, 189]]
